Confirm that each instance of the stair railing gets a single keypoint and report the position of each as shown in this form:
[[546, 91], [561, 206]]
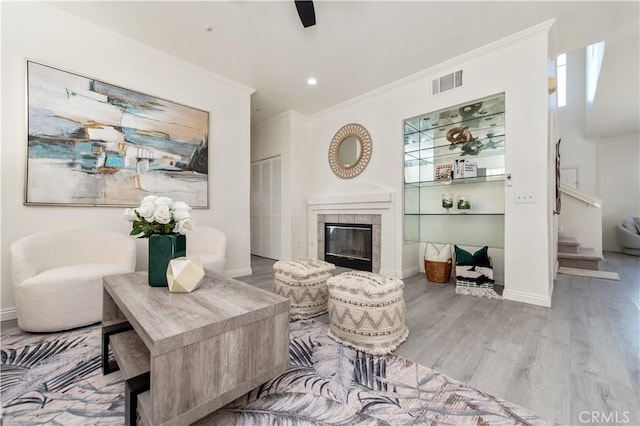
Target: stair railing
[[590, 200], [581, 217]]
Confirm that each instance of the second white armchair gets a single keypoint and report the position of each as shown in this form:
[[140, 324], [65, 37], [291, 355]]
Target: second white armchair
[[209, 245]]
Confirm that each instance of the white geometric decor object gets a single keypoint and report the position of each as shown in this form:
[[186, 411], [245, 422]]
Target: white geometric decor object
[[184, 275]]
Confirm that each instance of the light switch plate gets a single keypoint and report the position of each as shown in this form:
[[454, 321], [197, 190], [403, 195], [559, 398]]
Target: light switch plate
[[525, 197]]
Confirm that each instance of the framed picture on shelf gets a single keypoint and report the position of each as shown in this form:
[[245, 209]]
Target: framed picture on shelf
[[443, 172]]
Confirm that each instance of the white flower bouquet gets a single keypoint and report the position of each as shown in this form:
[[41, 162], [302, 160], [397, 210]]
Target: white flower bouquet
[[159, 216]]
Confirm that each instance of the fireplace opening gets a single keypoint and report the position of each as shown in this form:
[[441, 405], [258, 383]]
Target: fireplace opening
[[348, 245]]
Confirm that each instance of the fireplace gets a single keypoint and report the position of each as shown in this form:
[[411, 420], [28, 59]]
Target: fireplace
[[374, 208], [348, 245]]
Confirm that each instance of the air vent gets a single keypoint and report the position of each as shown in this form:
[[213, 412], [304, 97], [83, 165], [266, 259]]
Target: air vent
[[447, 82]]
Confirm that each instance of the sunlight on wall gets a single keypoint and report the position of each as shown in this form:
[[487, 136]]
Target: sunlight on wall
[[562, 79]]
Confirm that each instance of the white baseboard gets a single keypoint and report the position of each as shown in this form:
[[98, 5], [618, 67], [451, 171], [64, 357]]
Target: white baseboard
[[8, 314], [234, 273], [410, 271], [390, 273], [532, 299]]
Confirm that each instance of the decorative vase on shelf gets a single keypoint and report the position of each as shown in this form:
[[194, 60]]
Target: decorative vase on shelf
[[464, 202], [163, 248], [447, 200]]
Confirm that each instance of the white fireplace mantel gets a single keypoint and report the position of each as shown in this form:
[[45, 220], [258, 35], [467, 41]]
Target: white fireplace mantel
[[370, 200], [380, 203]]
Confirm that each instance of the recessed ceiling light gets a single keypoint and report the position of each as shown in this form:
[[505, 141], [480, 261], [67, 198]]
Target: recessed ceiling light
[[312, 81]]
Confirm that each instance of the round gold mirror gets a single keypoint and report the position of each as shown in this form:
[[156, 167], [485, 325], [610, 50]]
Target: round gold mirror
[[350, 151]]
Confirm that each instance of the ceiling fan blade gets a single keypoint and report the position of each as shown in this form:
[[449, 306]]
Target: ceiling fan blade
[[306, 12]]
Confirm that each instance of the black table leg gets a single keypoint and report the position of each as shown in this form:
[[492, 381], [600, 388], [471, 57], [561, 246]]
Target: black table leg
[[132, 388], [111, 366]]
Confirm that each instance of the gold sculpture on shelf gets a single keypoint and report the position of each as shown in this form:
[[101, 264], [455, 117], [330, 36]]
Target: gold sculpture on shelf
[[463, 137], [458, 135]]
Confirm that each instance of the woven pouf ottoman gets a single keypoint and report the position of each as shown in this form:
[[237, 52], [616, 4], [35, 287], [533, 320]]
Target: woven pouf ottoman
[[304, 282], [367, 311]]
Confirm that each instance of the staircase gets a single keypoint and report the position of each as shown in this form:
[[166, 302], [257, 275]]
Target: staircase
[[581, 217], [572, 255]]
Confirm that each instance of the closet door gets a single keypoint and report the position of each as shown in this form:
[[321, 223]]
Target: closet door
[[255, 209], [265, 208], [276, 201]]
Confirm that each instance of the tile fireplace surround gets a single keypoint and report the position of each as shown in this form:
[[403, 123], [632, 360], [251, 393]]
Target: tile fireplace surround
[[376, 208], [368, 219]]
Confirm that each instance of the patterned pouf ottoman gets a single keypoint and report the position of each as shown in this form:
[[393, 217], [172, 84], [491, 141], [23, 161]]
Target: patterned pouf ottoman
[[367, 311], [304, 282]]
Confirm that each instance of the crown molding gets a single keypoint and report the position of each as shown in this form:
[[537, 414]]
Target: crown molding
[[445, 66]]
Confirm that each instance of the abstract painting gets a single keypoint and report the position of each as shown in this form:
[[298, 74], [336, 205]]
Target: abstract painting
[[97, 144]]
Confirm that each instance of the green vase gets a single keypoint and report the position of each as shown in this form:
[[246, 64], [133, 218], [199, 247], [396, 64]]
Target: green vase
[[163, 248]]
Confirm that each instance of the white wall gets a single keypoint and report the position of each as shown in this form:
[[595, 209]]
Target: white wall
[[42, 34], [517, 66], [608, 167], [299, 182], [285, 135], [552, 136], [618, 183], [268, 138], [576, 150]]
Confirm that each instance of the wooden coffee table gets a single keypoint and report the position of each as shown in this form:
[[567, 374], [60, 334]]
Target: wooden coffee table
[[184, 355]]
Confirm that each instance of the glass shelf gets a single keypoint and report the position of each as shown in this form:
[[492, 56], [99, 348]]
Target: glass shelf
[[479, 179], [426, 149], [489, 138], [455, 214], [463, 115], [444, 156], [475, 125]]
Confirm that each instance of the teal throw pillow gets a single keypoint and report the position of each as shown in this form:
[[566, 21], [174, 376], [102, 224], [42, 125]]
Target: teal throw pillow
[[479, 258]]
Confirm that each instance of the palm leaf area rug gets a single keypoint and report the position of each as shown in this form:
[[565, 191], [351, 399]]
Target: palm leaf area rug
[[56, 379]]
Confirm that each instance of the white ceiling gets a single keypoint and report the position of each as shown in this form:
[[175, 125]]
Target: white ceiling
[[359, 46]]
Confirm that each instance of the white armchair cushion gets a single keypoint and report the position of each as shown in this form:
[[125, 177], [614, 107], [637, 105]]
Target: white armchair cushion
[[57, 275], [209, 261], [63, 274], [209, 245], [64, 297], [630, 225]]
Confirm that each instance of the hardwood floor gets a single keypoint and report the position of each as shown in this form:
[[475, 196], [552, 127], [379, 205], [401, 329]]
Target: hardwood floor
[[577, 362]]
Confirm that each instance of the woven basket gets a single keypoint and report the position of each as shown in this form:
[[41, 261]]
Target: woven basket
[[438, 272]]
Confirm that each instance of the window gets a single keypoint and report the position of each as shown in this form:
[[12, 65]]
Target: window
[[562, 79], [595, 54]]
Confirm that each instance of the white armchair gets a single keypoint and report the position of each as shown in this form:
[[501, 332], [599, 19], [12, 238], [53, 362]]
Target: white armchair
[[628, 236], [209, 245], [57, 275]]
